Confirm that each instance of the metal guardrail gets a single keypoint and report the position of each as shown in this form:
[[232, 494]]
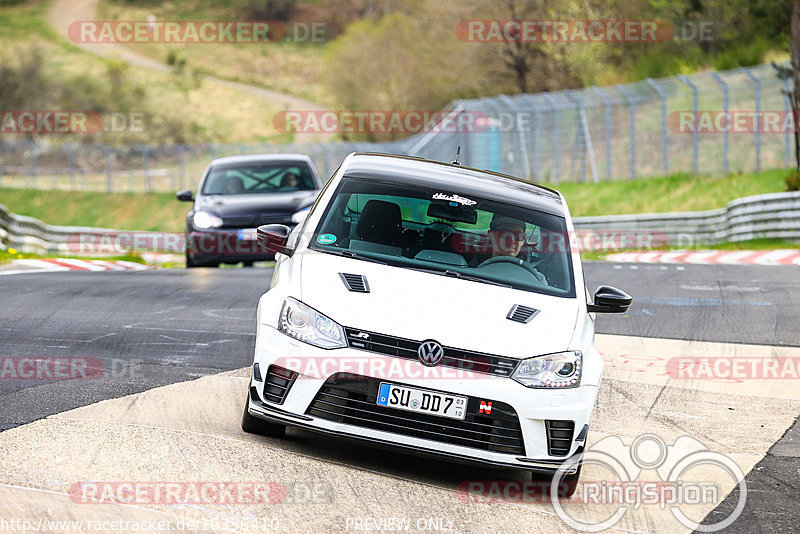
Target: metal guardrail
[[31, 235], [774, 215]]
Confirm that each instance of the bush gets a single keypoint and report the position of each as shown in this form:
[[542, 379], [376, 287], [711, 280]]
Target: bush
[[793, 181]]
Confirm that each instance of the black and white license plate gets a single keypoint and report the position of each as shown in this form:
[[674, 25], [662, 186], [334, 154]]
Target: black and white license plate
[[247, 234], [421, 400]]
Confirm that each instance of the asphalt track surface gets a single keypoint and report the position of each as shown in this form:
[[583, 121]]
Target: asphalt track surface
[[149, 329]]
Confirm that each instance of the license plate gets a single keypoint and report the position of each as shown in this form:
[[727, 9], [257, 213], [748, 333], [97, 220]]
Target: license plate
[[247, 234], [420, 400]]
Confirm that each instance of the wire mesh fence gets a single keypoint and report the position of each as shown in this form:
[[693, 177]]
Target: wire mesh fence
[[711, 123]]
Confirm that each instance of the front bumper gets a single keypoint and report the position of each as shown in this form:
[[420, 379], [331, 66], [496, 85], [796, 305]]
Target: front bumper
[[533, 407], [223, 246]]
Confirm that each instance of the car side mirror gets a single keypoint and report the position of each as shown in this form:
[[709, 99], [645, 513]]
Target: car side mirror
[[609, 299], [185, 195], [273, 237]]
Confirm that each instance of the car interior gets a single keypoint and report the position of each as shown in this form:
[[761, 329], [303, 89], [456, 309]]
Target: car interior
[[258, 179], [445, 235]]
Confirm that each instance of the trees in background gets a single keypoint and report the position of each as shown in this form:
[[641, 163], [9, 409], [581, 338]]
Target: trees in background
[[406, 53]]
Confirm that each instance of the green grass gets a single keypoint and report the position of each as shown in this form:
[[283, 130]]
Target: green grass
[[679, 192], [12, 254], [122, 211], [288, 67], [210, 112], [162, 212]]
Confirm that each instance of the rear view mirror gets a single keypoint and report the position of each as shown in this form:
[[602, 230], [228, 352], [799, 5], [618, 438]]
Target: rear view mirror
[[452, 213], [185, 195], [609, 299], [273, 237]]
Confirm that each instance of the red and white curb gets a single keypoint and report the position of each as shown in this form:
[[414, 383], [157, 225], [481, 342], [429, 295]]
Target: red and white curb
[[69, 264], [711, 257]]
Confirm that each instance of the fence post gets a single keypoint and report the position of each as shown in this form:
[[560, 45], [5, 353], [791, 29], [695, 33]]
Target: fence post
[[607, 128], [146, 168], [787, 149], [664, 152], [756, 125], [726, 133], [632, 112], [695, 135], [522, 140], [109, 169], [182, 166], [572, 98], [71, 159], [54, 176], [34, 171], [557, 138]]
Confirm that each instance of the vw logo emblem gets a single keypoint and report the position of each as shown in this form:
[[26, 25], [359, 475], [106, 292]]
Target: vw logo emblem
[[430, 353]]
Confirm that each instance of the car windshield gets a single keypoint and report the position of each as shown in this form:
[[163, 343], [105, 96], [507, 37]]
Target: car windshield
[[255, 178], [451, 233]]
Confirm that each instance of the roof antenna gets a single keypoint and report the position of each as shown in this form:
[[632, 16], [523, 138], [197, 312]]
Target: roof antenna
[[458, 153]]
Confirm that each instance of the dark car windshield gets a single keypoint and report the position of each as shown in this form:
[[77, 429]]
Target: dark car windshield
[[451, 233], [258, 178]]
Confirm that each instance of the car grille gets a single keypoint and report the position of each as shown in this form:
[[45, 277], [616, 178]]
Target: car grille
[[253, 221], [351, 399], [406, 348], [559, 436], [277, 384]]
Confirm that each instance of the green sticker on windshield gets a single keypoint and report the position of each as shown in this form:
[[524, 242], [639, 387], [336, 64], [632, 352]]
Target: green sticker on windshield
[[326, 239]]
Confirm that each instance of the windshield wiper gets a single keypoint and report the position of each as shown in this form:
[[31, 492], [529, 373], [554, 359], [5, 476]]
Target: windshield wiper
[[460, 276], [354, 255]]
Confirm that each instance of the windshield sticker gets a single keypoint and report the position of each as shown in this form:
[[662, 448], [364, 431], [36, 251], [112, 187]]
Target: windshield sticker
[[455, 198], [326, 239]]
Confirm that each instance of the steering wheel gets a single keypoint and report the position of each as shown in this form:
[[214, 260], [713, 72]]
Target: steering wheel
[[513, 261]]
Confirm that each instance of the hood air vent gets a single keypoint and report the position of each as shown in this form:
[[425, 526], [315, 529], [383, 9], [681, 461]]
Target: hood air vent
[[522, 314], [355, 282]]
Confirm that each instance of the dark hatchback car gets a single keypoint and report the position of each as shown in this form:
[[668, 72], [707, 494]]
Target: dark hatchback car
[[239, 193]]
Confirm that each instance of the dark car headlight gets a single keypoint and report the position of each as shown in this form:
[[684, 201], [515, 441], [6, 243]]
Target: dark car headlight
[[205, 220]]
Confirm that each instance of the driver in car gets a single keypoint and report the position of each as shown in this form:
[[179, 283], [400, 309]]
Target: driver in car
[[233, 185], [506, 238]]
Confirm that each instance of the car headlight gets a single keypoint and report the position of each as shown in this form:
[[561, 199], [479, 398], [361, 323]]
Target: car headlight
[[203, 220], [300, 216], [560, 370], [309, 326]]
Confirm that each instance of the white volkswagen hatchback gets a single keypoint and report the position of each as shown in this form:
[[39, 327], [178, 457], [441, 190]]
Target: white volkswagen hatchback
[[433, 308]]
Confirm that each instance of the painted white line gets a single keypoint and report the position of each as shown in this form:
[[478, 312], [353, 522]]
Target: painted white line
[[28, 271]]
